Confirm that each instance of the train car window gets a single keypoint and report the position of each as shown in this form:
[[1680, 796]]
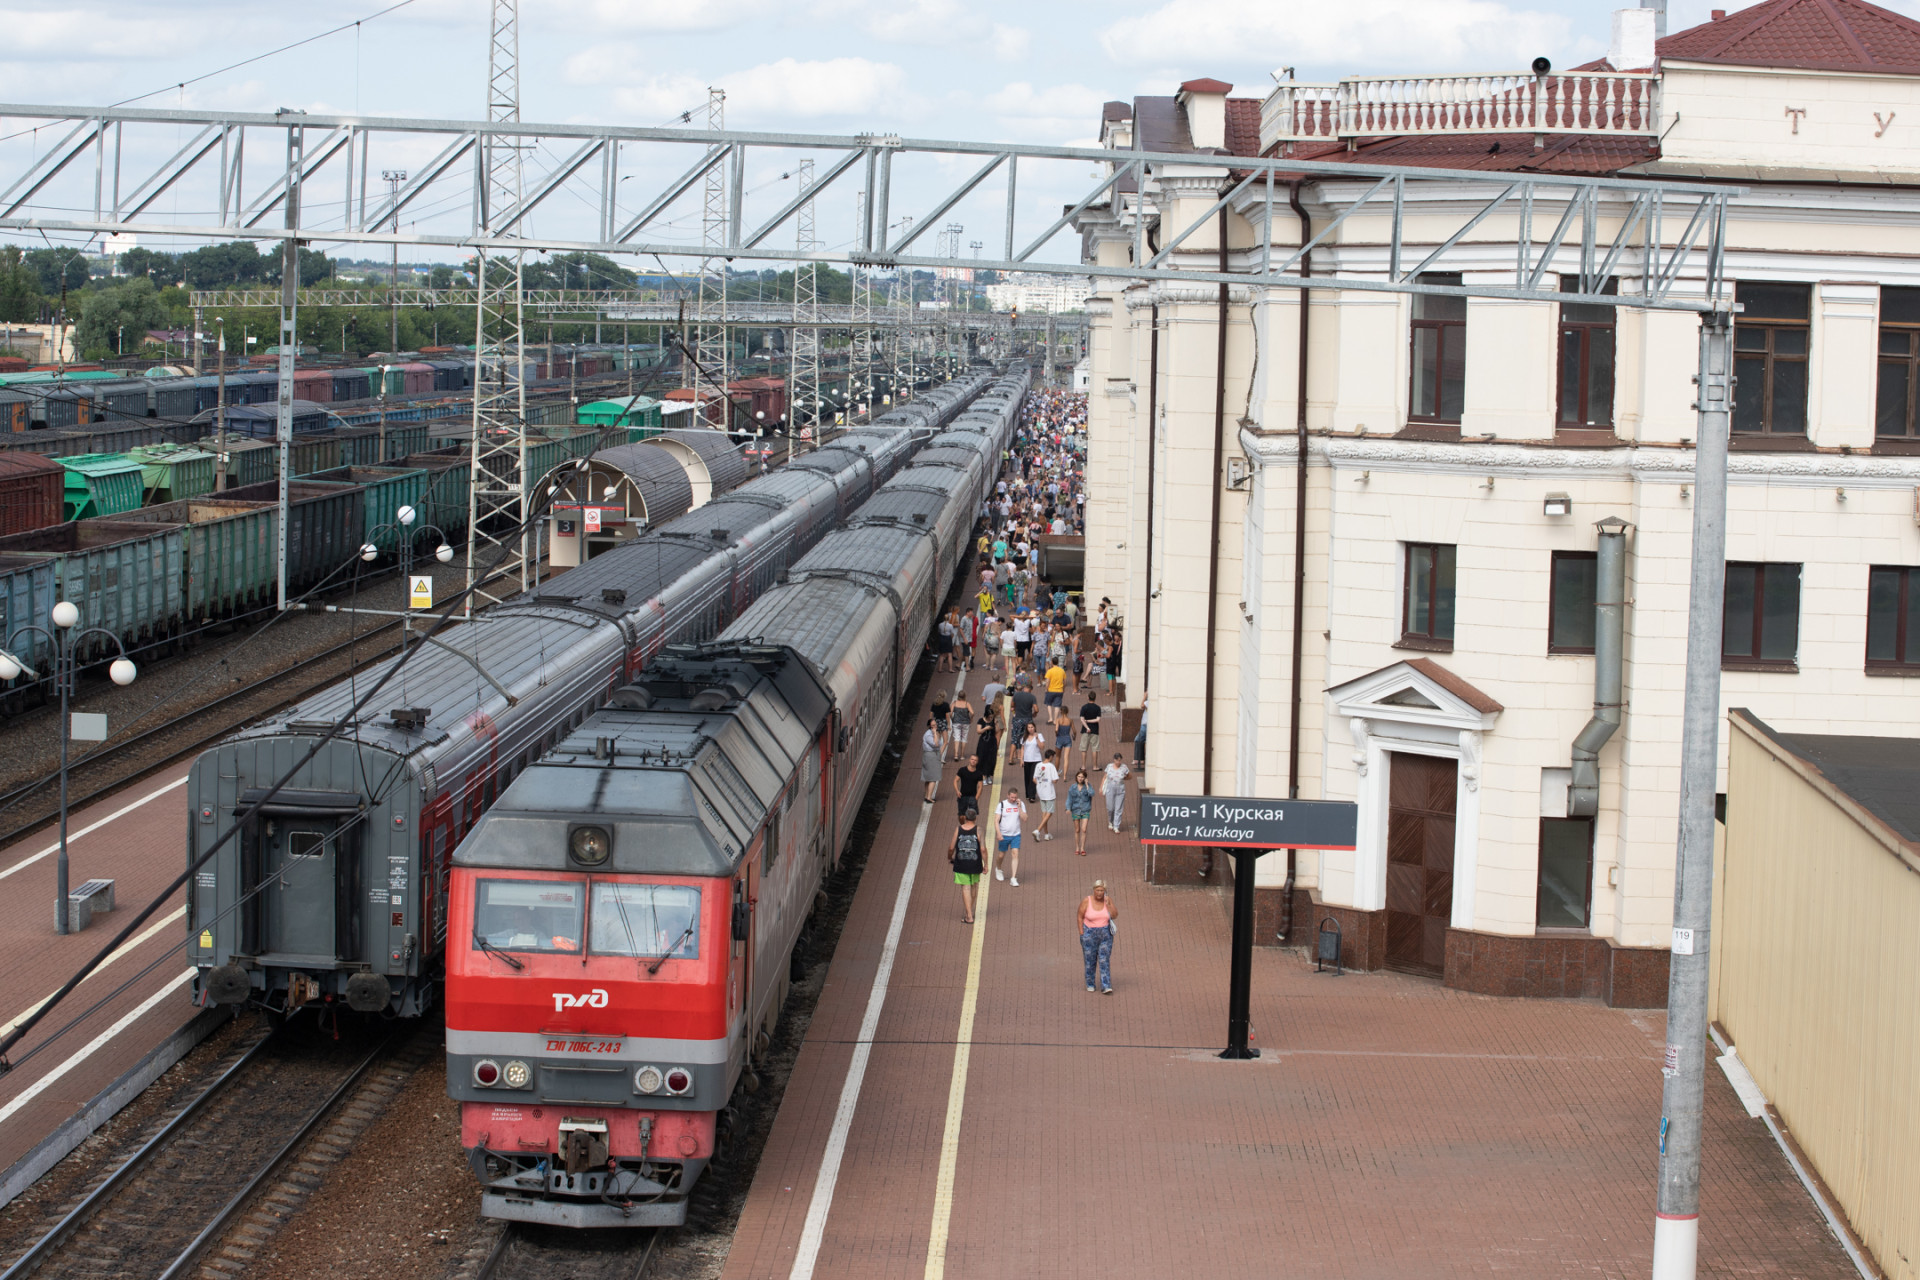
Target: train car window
[[528, 915], [646, 920]]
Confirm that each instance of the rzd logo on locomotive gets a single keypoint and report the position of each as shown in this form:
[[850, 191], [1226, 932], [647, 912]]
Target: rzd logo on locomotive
[[594, 999]]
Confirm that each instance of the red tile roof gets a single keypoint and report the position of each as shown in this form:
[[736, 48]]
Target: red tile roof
[[1243, 126], [1825, 35]]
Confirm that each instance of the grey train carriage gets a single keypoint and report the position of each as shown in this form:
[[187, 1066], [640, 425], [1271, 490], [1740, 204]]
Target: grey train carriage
[[334, 889]]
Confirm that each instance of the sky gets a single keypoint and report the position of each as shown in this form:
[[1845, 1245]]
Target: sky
[[988, 70]]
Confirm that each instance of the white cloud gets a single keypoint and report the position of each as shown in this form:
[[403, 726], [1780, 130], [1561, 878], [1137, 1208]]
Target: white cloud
[[1050, 113], [773, 92], [1010, 43], [653, 17], [1425, 34]]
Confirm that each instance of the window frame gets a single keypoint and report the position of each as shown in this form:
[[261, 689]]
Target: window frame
[[1910, 330], [1553, 598], [1540, 849], [1771, 328], [1742, 662], [1414, 325], [1410, 639], [1585, 328], [1902, 642]]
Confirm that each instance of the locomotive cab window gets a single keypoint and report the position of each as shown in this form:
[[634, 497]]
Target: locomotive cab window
[[646, 920], [528, 915]]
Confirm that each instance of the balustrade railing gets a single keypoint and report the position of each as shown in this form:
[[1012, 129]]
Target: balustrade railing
[[1590, 102]]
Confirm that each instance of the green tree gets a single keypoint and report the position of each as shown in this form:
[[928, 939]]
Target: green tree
[[49, 264], [161, 268], [20, 299], [110, 311], [223, 266], [576, 271]]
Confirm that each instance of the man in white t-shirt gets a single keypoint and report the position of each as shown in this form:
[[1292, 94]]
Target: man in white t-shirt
[[1045, 774], [1012, 810]]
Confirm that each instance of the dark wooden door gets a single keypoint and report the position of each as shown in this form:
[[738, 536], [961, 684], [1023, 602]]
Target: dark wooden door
[[1420, 812]]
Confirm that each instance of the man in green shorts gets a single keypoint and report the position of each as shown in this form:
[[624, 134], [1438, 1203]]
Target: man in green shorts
[[965, 855]]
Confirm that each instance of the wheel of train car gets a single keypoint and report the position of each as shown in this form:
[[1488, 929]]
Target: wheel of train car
[[797, 961], [819, 901], [761, 1041], [750, 1080]]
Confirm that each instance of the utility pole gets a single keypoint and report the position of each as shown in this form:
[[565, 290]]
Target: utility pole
[[1676, 1225], [289, 301], [710, 309], [804, 385], [220, 414], [860, 331], [497, 500], [973, 290], [899, 315], [394, 179]]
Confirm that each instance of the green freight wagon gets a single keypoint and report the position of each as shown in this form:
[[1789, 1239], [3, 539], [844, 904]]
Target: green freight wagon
[[249, 461], [128, 578], [640, 415], [359, 446], [449, 481], [26, 594], [174, 471], [323, 529], [232, 553], [102, 484], [387, 490], [404, 438], [313, 453]]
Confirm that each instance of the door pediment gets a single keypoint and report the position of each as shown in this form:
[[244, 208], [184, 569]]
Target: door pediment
[[1416, 691]]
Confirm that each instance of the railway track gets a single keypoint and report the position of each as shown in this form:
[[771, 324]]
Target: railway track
[[197, 736], [538, 1253], [220, 1166]]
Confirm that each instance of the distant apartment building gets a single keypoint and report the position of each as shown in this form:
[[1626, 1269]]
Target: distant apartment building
[[1472, 463], [1038, 293]]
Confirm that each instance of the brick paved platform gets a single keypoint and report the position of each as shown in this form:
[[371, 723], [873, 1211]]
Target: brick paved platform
[[139, 846], [1393, 1128]]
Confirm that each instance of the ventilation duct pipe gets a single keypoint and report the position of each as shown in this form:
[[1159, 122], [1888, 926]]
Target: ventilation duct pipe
[[1609, 630]]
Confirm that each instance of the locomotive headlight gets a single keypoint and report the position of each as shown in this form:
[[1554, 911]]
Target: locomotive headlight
[[648, 1079], [679, 1080], [486, 1073], [518, 1075], [589, 846]]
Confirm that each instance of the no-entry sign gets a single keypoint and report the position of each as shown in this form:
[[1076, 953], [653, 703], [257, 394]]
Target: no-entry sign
[[1236, 822]]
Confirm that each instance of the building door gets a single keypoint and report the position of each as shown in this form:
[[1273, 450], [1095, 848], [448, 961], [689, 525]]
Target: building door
[[1420, 812]]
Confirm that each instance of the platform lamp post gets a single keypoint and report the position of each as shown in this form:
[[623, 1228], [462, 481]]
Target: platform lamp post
[[63, 640], [404, 534]]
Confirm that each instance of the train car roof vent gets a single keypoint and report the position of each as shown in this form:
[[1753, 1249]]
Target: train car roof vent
[[632, 697], [612, 595], [919, 517], [605, 748], [720, 535], [409, 719], [782, 575], [710, 699]]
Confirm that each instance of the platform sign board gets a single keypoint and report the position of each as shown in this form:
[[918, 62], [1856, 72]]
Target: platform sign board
[[1236, 822], [420, 591], [88, 726]]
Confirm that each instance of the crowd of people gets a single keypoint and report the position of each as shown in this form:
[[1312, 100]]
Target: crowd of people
[[1051, 659]]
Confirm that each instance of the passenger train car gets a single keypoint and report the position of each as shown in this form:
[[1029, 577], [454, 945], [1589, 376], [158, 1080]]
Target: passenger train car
[[335, 889], [624, 918]]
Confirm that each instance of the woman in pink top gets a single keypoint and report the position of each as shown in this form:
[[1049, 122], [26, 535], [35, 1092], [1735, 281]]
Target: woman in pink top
[[1097, 916]]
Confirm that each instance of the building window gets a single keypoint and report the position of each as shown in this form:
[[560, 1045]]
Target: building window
[[1899, 362], [1439, 352], [1427, 596], [1761, 623], [1893, 617], [1586, 359], [1770, 359], [1565, 891], [1570, 602]]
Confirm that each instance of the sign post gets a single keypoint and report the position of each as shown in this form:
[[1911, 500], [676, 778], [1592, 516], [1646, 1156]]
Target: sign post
[[1246, 828]]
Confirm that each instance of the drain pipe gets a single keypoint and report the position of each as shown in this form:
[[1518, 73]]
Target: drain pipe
[[1213, 537], [1153, 441], [1609, 629], [1299, 550]]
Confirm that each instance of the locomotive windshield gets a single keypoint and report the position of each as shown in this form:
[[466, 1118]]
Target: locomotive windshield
[[528, 915], [646, 920]]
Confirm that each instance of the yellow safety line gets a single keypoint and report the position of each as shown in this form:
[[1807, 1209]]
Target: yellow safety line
[[963, 1044]]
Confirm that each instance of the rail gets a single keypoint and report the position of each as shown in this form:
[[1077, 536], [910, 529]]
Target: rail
[[1611, 103]]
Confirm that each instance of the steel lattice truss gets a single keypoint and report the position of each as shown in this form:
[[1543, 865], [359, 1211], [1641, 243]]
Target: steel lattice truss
[[624, 305], [497, 503], [122, 170]]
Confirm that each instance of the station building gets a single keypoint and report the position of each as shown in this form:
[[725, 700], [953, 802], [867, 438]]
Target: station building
[[1468, 457]]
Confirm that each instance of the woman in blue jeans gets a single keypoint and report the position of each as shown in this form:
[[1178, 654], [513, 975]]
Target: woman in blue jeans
[[1097, 916]]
